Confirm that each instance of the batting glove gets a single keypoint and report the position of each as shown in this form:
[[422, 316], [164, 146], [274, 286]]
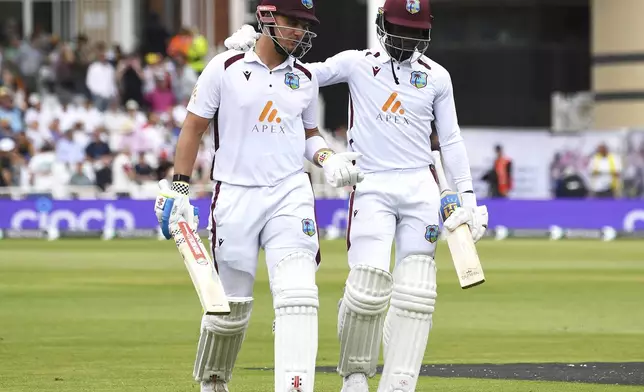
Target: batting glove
[[340, 171], [475, 217], [173, 205], [243, 39]]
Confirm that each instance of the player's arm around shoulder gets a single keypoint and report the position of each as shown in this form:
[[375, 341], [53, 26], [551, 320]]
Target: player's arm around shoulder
[[338, 68]]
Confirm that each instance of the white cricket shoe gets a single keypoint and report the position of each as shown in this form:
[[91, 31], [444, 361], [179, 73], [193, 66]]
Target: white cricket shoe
[[356, 382], [214, 385]]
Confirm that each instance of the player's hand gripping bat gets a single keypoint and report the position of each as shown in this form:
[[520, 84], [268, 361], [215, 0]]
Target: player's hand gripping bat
[[460, 242]]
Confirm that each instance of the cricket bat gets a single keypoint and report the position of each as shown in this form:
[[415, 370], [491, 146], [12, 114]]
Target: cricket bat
[[202, 270], [460, 242]]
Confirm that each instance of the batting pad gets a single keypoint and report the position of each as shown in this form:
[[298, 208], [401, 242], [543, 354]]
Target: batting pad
[[221, 339], [360, 318], [408, 323], [295, 299]]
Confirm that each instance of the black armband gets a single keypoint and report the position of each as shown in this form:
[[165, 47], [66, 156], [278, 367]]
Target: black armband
[[181, 178]]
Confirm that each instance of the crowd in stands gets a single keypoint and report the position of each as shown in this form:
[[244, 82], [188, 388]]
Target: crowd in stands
[[76, 114]]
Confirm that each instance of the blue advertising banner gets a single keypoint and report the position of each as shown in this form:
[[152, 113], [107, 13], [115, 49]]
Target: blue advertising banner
[[81, 215]]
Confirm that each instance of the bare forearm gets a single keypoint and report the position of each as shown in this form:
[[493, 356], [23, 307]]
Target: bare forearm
[[186, 152]]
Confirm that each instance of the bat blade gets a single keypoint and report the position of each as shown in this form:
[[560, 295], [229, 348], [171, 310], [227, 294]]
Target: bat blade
[[202, 271], [460, 242]]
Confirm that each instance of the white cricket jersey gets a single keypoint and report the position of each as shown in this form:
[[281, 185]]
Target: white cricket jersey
[[259, 117], [389, 123]]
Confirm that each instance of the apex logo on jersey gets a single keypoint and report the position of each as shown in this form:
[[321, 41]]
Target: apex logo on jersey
[[269, 115], [413, 6], [308, 227], [393, 111], [307, 3], [418, 79], [292, 80]]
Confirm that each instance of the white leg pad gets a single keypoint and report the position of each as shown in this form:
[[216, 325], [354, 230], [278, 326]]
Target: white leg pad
[[295, 299], [408, 323], [221, 340], [360, 319]]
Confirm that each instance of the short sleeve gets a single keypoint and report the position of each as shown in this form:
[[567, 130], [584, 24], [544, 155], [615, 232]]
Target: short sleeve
[[205, 97], [310, 114]]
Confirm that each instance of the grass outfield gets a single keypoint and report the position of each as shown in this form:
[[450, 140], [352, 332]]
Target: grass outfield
[[123, 316]]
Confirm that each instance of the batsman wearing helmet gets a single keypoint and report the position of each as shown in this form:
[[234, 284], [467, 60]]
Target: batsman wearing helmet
[[262, 110], [396, 93]]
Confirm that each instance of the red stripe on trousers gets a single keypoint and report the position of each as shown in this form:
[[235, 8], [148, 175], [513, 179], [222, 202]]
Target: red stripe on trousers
[[318, 256], [213, 223], [350, 218]]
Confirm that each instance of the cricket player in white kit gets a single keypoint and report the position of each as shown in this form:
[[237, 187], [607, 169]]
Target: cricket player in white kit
[[262, 108], [395, 96]]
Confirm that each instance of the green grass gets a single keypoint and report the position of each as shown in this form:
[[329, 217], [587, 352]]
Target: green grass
[[123, 316]]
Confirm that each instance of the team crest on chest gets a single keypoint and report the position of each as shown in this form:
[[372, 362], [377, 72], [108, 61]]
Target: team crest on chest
[[418, 79], [431, 233], [307, 3], [413, 6], [292, 80], [308, 227]]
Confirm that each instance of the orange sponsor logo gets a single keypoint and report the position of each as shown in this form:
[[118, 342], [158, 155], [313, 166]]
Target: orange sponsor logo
[[393, 104], [268, 114]]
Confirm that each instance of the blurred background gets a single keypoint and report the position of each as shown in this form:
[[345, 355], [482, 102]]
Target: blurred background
[[549, 93]]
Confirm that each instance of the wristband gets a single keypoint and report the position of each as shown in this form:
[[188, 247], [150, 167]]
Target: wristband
[[323, 156], [180, 187], [181, 178]]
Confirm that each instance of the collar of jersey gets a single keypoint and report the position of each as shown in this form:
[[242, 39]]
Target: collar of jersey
[[252, 57]]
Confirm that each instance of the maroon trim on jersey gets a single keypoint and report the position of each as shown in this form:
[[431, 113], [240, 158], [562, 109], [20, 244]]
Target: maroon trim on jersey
[[215, 125], [233, 60], [350, 111], [350, 217], [304, 70], [376, 55], [213, 223], [424, 64], [432, 169], [318, 256]]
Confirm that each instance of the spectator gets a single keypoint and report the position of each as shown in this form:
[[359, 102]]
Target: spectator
[[180, 43], [79, 178], [98, 147], [197, 51], [65, 69], [29, 61], [155, 37], [156, 68], [43, 169], [7, 147], [24, 147], [143, 171], [499, 178], [101, 80], [104, 173], [161, 99], [8, 111], [130, 77], [605, 171], [570, 185], [68, 150], [15, 87], [185, 79]]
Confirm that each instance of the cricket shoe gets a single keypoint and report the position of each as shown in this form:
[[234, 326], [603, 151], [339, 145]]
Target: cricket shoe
[[356, 382], [214, 385]]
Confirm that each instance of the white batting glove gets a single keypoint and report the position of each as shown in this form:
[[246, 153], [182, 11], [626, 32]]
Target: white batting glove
[[243, 39], [171, 206], [340, 171], [475, 217]]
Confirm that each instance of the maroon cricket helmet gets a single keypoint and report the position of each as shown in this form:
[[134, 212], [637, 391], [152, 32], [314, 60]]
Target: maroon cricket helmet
[[298, 9]]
